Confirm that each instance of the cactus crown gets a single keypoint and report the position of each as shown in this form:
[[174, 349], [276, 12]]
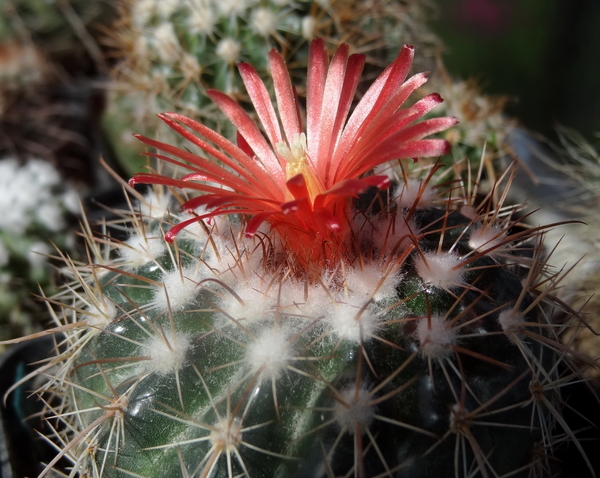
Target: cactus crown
[[300, 182]]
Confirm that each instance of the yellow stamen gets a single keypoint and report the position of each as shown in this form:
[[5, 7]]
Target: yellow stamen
[[298, 163]]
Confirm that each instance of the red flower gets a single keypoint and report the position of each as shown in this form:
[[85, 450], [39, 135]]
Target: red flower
[[300, 181]]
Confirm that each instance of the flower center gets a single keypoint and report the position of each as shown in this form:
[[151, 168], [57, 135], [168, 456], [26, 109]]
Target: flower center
[[298, 163]]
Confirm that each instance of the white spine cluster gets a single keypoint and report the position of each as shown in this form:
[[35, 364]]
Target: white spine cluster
[[263, 21], [228, 50]]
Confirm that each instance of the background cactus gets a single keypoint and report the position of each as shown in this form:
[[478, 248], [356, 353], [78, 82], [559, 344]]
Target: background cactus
[[424, 345], [172, 52]]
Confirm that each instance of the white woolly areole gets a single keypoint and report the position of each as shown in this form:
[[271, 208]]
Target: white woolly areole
[[351, 322], [435, 337], [263, 21], [179, 288], [269, 353], [32, 192], [486, 238], [190, 67], [100, 312], [354, 408], [441, 270], [372, 282], [155, 204], [232, 7], [141, 12], [307, 303], [412, 191], [140, 249], [510, 321], [229, 50], [226, 434], [167, 355], [252, 304], [469, 212], [166, 8]]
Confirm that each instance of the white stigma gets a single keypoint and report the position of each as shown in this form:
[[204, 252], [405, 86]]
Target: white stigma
[[296, 151]]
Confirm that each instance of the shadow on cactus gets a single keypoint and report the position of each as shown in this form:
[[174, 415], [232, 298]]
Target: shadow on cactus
[[306, 319]]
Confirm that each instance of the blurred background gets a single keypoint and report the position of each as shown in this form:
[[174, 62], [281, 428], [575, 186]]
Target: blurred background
[[543, 54]]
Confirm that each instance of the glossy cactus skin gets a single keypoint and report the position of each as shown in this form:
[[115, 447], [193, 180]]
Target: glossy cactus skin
[[250, 372]]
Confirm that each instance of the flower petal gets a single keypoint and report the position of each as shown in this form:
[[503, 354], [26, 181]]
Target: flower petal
[[248, 129], [285, 96], [319, 148], [315, 85], [261, 101]]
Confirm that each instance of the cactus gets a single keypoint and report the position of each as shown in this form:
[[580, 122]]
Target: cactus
[[303, 318], [562, 179]]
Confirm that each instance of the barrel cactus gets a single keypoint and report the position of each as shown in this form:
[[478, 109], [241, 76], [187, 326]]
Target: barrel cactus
[[303, 317]]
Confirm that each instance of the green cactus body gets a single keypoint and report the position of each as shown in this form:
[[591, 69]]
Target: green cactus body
[[380, 370]]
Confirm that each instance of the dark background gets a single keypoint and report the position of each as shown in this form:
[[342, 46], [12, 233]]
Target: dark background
[[544, 54]]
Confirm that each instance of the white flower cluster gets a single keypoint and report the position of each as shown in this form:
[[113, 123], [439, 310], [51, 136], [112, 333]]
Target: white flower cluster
[[33, 193]]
